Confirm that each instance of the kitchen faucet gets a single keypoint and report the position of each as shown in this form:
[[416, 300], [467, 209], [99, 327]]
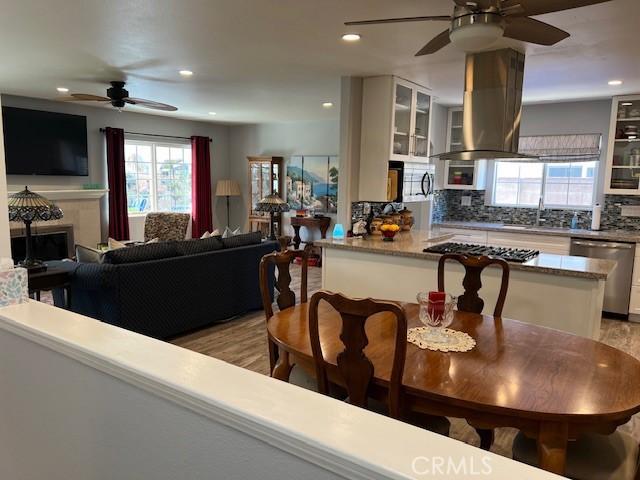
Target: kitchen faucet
[[539, 213]]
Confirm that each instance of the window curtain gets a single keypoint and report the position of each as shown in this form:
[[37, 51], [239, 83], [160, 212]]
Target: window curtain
[[563, 148], [201, 212], [118, 216]]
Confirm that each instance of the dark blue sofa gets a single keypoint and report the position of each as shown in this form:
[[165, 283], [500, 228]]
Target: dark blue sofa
[[166, 297]]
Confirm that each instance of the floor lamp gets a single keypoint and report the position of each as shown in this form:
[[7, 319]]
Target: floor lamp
[[227, 188]]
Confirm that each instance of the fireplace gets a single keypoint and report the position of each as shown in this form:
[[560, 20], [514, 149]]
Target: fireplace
[[51, 242]]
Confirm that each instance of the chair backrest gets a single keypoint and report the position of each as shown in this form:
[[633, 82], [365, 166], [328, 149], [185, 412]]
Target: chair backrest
[[355, 368], [285, 296], [472, 283], [166, 226]]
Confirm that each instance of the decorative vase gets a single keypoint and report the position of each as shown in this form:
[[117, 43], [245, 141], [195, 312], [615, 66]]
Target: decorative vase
[[407, 219], [388, 235]]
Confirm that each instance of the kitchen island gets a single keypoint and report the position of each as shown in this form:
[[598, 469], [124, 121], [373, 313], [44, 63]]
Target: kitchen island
[[557, 291]]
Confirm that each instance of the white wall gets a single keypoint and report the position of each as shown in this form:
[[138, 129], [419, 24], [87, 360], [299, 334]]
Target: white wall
[[5, 241], [98, 117], [82, 399], [277, 139]]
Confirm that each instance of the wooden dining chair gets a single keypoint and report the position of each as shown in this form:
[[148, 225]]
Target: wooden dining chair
[[471, 302], [590, 457], [279, 263], [354, 368]]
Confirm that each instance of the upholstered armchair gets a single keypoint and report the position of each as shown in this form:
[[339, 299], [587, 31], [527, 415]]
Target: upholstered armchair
[[166, 226]]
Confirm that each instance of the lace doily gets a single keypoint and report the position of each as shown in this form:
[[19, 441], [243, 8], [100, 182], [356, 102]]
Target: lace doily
[[458, 341]]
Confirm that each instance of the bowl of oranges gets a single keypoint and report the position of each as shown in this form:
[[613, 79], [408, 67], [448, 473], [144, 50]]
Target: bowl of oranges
[[389, 231]]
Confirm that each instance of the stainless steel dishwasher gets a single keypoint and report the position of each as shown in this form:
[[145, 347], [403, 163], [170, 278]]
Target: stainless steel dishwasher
[[618, 285]]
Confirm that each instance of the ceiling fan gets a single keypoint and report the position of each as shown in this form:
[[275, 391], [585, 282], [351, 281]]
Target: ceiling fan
[[478, 24], [118, 96]]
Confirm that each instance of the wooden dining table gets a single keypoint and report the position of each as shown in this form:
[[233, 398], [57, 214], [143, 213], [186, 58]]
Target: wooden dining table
[[551, 385]]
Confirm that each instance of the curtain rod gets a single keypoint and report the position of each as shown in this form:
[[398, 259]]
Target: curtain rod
[[153, 135]]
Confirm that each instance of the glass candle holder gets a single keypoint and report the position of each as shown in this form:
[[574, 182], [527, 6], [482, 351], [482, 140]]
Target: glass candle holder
[[436, 315]]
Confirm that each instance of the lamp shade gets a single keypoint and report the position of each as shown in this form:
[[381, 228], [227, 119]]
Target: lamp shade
[[227, 187], [272, 204], [28, 206]]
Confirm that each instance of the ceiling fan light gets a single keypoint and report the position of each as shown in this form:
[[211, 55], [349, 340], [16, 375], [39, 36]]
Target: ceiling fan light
[[476, 37]]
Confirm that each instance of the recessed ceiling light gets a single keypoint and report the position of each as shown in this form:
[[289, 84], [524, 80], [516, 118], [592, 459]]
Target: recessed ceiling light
[[627, 104], [212, 113], [615, 83], [62, 89], [327, 104], [351, 37], [185, 73]]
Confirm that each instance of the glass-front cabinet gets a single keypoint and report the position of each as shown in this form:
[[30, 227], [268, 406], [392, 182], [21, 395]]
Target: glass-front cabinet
[[411, 116], [461, 175], [265, 178], [623, 154]]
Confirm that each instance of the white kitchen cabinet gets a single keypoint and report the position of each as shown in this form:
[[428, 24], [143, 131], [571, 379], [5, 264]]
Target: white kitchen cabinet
[[396, 118], [461, 175], [532, 241], [634, 304], [634, 300], [622, 175]]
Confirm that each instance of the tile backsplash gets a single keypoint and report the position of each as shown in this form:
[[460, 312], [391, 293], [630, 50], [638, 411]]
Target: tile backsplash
[[447, 207], [357, 209]]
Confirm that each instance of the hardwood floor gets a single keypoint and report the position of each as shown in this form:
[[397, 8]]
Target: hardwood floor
[[242, 342]]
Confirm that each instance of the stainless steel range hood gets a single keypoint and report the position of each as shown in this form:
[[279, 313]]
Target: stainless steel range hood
[[492, 108]]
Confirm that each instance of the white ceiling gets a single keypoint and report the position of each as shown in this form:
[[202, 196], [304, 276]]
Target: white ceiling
[[278, 60]]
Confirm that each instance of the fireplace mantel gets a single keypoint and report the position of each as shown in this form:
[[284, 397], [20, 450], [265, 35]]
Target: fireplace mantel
[[56, 194], [82, 209]]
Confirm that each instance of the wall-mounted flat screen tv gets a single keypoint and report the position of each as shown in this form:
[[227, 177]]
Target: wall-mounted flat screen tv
[[44, 143]]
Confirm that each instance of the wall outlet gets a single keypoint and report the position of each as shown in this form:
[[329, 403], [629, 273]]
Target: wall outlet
[[630, 211], [465, 201]]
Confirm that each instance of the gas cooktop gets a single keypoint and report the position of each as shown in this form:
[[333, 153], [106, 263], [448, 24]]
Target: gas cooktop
[[518, 255]]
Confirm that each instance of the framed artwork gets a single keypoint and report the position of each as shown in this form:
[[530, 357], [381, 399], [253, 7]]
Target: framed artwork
[[312, 183]]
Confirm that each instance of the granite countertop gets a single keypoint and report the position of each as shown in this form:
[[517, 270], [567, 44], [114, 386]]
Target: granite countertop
[[413, 243], [609, 235]]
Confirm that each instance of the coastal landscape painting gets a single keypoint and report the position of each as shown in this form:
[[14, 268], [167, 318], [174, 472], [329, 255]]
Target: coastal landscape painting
[[312, 183]]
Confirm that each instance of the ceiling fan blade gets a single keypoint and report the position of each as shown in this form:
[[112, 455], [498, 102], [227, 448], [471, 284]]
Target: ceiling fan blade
[[438, 42], [141, 102], [533, 31], [540, 7], [436, 18], [84, 97]]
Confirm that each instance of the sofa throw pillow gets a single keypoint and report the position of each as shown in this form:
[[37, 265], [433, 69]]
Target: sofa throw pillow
[[115, 244], [205, 235], [243, 239], [141, 253], [215, 233], [88, 254], [199, 245], [230, 233]]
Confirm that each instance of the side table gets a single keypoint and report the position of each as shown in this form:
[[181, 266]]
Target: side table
[[321, 223], [48, 280]]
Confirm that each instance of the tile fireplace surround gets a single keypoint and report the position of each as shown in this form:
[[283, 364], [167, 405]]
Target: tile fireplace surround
[[82, 210]]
